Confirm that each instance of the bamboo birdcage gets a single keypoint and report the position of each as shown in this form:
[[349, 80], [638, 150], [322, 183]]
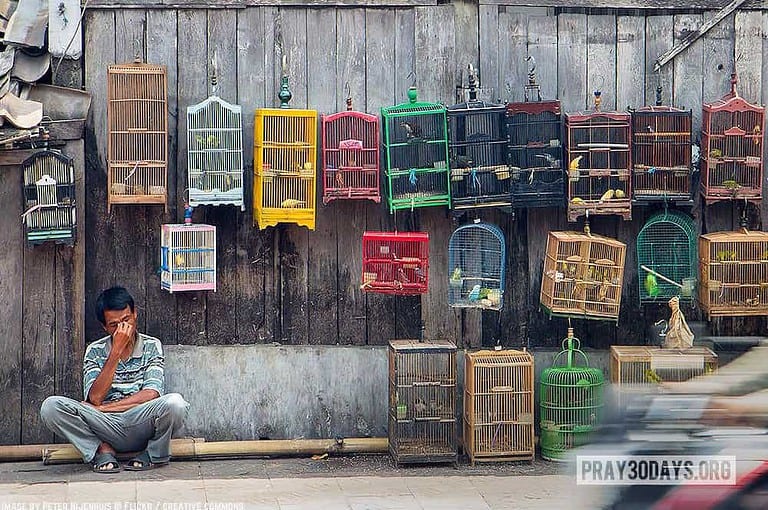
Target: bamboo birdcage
[[477, 261], [498, 406], [396, 263], [137, 138], [215, 153], [733, 271], [416, 154], [583, 275], [350, 156], [422, 401], [732, 149], [598, 162], [667, 244], [188, 257], [49, 198]]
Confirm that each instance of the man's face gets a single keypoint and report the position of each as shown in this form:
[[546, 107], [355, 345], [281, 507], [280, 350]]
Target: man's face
[[114, 317]]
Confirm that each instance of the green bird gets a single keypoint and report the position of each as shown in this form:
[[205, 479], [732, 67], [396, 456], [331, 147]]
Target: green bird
[[456, 275], [651, 285]]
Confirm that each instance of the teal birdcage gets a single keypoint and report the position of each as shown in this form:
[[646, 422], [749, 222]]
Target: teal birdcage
[[416, 154], [667, 257], [571, 402], [477, 259]]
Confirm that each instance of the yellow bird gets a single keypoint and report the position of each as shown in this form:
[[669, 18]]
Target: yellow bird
[[573, 169], [756, 131], [291, 202], [179, 260]]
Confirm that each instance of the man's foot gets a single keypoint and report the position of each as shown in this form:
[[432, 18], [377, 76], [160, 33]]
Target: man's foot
[[105, 461], [142, 462]]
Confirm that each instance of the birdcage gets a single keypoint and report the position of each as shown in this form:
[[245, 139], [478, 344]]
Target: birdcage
[[661, 154], [284, 167], [422, 401], [416, 152], [583, 275], [188, 257], [350, 156], [732, 149], [733, 270], [598, 155], [476, 259], [49, 198], [215, 148], [395, 262], [571, 401], [137, 138], [498, 406], [667, 257]]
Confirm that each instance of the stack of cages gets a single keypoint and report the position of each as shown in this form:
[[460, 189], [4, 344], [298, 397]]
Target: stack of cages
[[478, 152], [416, 152], [661, 154], [599, 166], [498, 406], [422, 402], [733, 271], [535, 149], [477, 261], [583, 275], [350, 156], [732, 149], [137, 138], [215, 153], [49, 198], [396, 263], [667, 258], [188, 257]]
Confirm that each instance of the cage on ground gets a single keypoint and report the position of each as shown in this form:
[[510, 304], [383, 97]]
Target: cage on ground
[[395, 262], [49, 198], [476, 261]]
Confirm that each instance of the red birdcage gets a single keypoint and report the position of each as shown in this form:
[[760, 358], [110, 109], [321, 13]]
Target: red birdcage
[[395, 262]]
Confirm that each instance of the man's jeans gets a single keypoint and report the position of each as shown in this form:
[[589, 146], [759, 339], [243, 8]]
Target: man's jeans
[[147, 426]]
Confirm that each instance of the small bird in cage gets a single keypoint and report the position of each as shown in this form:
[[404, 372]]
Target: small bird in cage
[[650, 129], [573, 169], [756, 131], [551, 161], [401, 276], [179, 260], [461, 161], [715, 153], [339, 180], [474, 294], [420, 406], [291, 203], [420, 274], [753, 301], [412, 130]]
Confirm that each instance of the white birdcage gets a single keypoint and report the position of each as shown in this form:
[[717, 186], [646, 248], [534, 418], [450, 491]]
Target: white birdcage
[[215, 153], [49, 197], [188, 253]]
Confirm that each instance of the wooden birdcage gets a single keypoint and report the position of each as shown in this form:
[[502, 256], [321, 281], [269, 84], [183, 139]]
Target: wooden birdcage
[[661, 154], [583, 274], [137, 123], [416, 152], [284, 158], [49, 198], [498, 406], [215, 153], [422, 401], [477, 260], [598, 158], [732, 149], [733, 271], [396, 262], [667, 244], [350, 156], [188, 257]]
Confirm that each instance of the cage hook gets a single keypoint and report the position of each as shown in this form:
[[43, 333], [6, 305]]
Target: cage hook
[[473, 82], [532, 86], [137, 50], [412, 74], [214, 74], [348, 94], [598, 92], [658, 88]]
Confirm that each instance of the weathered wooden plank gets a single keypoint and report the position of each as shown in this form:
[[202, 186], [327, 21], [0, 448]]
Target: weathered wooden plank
[[625, 4], [748, 44], [291, 39], [239, 4], [379, 60], [513, 49], [542, 46], [764, 101], [514, 320], [659, 37], [717, 63], [572, 61], [688, 69], [439, 323], [601, 58], [630, 61], [466, 37], [405, 53], [435, 53], [490, 36]]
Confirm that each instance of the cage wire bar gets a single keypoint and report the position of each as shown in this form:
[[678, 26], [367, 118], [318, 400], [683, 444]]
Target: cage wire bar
[[188, 257], [49, 198], [137, 137], [477, 261], [422, 402], [668, 245], [498, 406], [395, 263]]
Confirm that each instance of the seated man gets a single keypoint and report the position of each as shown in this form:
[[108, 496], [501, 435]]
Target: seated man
[[124, 408]]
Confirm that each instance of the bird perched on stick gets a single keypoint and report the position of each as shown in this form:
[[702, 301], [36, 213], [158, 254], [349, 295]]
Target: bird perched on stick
[[412, 130], [573, 169], [339, 180], [291, 202], [551, 161], [460, 161]]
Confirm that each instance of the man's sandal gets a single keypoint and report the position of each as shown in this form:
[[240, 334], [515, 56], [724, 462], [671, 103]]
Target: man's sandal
[[142, 462], [100, 460]]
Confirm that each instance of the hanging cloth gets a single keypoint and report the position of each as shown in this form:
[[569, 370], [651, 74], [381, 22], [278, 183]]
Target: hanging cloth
[[679, 335]]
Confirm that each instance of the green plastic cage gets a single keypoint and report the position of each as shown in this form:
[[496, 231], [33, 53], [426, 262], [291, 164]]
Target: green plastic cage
[[667, 257], [571, 402], [416, 154]]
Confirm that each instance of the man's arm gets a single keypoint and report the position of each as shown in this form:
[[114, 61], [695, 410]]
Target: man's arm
[[153, 385], [120, 342], [138, 398]]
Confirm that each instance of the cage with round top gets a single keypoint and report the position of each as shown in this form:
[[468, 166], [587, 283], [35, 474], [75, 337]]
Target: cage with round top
[[571, 401], [416, 154], [137, 136], [396, 263], [49, 198], [476, 260], [732, 149], [667, 257], [188, 257], [498, 405]]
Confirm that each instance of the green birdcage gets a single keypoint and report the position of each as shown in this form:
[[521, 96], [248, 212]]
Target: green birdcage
[[667, 257], [416, 154], [571, 402]]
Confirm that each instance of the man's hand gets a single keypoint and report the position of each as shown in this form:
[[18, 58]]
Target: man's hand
[[121, 339]]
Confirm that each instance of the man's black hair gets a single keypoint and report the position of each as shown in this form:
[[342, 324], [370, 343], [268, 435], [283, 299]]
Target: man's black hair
[[115, 298]]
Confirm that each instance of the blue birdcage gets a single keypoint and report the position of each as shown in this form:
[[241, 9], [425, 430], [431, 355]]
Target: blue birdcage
[[476, 261]]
